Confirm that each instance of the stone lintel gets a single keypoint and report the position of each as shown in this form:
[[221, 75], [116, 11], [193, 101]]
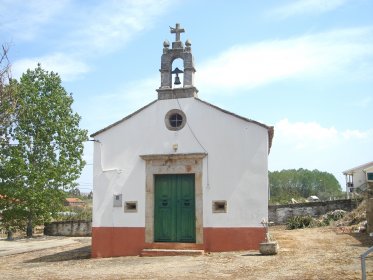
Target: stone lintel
[[173, 156], [173, 93]]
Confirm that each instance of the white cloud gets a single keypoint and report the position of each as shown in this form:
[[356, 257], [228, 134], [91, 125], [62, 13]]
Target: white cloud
[[355, 134], [344, 52], [305, 135], [83, 30], [133, 93], [66, 66], [313, 146], [119, 103], [313, 136], [23, 20], [111, 24], [302, 7]]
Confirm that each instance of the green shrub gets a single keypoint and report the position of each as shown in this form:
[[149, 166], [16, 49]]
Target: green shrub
[[75, 214], [335, 215], [299, 222], [307, 221], [328, 218]]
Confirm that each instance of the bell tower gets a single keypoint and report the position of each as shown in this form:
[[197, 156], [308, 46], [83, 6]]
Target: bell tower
[[168, 89]]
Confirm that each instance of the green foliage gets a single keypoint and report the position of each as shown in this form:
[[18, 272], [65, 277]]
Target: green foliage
[[7, 97], [335, 215], [11, 214], [308, 221], [75, 192], [302, 183], [44, 155], [75, 214], [299, 222]]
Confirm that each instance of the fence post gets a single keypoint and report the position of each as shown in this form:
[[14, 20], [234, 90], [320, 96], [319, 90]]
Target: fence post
[[363, 269]]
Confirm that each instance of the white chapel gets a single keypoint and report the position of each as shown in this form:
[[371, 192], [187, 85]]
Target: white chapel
[[179, 172]]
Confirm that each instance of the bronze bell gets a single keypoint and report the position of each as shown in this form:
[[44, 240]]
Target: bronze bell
[[177, 71], [177, 80]]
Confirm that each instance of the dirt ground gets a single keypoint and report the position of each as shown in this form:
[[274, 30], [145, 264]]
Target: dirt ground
[[317, 253]]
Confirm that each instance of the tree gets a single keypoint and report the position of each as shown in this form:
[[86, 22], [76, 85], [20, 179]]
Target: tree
[[44, 155], [75, 192], [7, 96], [8, 206], [11, 215], [302, 183], [90, 195]]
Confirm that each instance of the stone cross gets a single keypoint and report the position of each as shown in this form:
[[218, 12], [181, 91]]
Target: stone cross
[[177, 30]]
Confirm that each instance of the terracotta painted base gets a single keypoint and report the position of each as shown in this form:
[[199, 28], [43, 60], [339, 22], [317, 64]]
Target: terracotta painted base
[[232, 239], [125, 241], [117, 241]]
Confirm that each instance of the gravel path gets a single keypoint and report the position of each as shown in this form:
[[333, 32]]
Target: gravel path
[[318, 253]]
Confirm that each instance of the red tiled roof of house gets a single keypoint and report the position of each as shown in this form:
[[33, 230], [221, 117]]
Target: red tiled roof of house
[[73, 199], [5, 197]]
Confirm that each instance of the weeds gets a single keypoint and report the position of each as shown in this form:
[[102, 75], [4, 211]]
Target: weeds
[[308, 221], [299, 222]]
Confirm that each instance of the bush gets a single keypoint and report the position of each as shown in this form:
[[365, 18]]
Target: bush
[[75, 214], [355, 217], [307, 221], [299, 222], [335, 215]]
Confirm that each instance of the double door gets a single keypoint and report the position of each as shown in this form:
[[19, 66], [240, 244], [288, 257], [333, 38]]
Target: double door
[[174, 208]]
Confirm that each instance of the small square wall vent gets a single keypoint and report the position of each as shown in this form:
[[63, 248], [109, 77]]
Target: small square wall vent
[[219, 206], [130, 206]]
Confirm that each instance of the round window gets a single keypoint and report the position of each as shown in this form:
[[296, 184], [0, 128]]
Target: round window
[[175, 119]]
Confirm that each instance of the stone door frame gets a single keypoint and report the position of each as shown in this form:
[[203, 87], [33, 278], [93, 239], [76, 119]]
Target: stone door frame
[[173, 164]]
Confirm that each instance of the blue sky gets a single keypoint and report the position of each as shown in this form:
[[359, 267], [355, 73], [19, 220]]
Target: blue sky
[[305, 67]]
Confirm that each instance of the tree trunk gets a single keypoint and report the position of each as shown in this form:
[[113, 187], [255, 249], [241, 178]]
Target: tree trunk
[[29, 228], [9, 235]]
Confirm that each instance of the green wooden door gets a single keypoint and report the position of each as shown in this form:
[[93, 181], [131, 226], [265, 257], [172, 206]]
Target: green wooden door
[[174, 208]]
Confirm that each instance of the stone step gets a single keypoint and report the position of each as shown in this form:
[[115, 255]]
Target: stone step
[[174, 246], [170, 252]]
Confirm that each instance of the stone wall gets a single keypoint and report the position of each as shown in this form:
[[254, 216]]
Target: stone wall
[[279, 214], [68, 228]]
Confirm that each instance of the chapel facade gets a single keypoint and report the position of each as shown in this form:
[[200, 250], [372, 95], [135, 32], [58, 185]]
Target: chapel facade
[[179, 172]]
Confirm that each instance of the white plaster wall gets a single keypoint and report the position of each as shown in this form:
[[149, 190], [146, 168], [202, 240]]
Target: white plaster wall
[[359, 178], [237, 163], [237, 160]]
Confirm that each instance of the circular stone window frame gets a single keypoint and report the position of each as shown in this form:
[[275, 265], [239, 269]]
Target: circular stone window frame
[[168, 116]]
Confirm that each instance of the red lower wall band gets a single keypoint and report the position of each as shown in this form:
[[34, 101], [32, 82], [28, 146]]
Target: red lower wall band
[[130, 241], [117, 241], [232, 239]]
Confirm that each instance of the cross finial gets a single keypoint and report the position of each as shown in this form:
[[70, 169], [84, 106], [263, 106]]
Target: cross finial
[[177, 30]]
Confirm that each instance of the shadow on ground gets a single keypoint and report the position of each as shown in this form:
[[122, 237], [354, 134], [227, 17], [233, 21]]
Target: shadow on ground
[[76, 254], [252, 254], [363, 238]]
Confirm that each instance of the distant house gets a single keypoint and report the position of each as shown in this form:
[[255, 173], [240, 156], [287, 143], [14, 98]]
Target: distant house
[[74, 202], [359, 178]]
